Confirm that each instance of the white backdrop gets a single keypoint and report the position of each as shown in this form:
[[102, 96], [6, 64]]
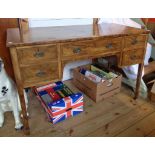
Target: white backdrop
[[45, 22]]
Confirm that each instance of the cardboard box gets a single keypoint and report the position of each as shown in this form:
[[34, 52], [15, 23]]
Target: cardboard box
[[96, 91], [62, 108]]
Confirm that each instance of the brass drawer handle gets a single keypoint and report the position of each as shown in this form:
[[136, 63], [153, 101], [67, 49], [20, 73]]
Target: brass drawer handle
[[134, 42], [40, 73], [109, 46], [38, 54], [77, 50]]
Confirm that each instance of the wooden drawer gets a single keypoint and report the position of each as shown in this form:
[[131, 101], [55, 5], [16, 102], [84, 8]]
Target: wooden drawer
[[33, 54], [132, 57], [79, 49], [107, 45], [39, 73], [76, 49], [133, 42]]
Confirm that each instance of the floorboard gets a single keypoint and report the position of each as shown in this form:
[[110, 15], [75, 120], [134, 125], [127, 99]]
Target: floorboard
[[119, 115], [118, 125], [141, 128]]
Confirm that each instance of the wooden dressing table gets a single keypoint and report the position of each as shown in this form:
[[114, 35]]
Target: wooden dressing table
[[40, 54]]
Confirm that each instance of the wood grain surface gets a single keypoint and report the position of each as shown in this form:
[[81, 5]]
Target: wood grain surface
[[119, 115], [68, 33]]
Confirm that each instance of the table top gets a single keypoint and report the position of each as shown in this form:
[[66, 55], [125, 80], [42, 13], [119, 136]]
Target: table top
[[46, 35]]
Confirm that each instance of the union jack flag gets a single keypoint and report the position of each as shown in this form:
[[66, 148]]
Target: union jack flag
[[60, 109], [66, 107]]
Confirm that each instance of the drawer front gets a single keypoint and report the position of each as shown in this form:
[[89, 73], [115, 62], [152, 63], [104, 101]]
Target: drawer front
[[76, 49], [107, 45], [39, 73], [79, 49], [132, 57], [37, 53], [133, 42]]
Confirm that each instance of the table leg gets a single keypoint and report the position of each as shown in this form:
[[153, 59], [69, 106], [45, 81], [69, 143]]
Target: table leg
[[139, 77], [24, 113]]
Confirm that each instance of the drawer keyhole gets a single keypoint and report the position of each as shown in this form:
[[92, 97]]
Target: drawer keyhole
[[134, 42], [133, 57], [38, 54], [109, 46], [77, 50], [40, 73]]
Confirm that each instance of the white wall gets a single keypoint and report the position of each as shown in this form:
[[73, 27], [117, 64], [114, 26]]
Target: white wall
[[45, 22]]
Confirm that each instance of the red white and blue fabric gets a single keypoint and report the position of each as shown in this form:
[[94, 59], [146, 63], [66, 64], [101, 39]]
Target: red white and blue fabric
[[55, 85], [63, 108], [66, 107]]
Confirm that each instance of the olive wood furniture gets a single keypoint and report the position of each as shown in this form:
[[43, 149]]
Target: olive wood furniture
[[40, 54]]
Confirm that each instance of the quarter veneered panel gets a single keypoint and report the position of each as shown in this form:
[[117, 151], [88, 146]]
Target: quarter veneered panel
[[39, 73], [76, 49], [132, 57], [133, 42], [34, 54], [107, 45]]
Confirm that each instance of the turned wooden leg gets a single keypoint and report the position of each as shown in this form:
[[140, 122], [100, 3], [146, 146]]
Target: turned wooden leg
[[24, 113], [139, 77]]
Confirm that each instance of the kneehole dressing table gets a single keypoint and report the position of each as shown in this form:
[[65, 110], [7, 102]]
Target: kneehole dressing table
[[40, 54]]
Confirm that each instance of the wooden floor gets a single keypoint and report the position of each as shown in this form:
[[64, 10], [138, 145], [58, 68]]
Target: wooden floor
[[118, 115]]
